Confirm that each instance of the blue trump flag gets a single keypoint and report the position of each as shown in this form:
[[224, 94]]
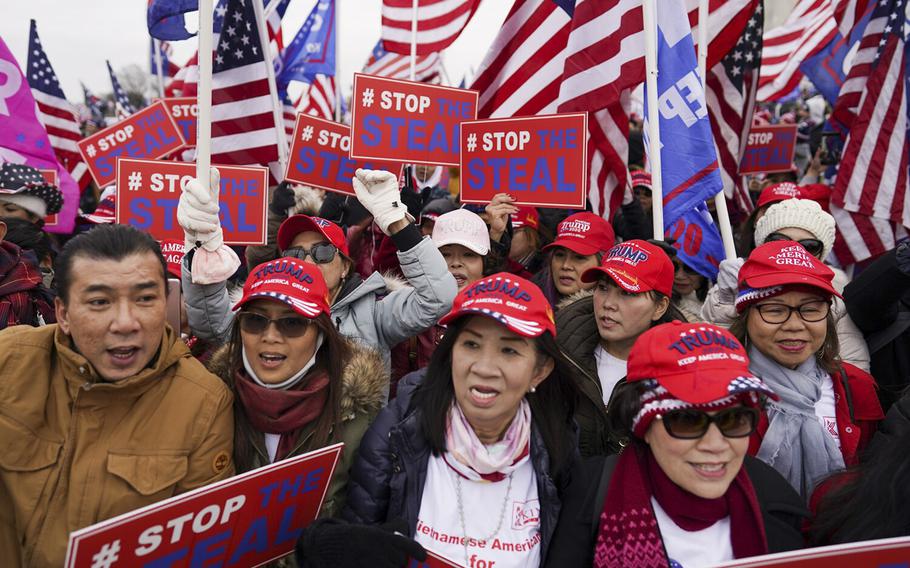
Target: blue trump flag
[[165, 18], [312, 51], [828, 68], [689, 165]]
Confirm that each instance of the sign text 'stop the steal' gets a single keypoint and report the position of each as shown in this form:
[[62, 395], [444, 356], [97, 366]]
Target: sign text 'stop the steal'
[[408, 122]]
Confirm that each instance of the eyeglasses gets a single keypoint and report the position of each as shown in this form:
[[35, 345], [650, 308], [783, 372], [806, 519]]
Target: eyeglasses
[[812, 246], [779, 313], [687, 424], [288, 326], [321, 253], [685, 268]]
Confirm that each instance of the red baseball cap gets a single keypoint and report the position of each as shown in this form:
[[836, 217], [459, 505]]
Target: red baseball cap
[[296, 283], [105, 212], [696, 362], [636, 266], [778, 192], [296, 224], [511, 300], [173, 252], [779, 264], [584, 233], [526, 217], [817, 192]]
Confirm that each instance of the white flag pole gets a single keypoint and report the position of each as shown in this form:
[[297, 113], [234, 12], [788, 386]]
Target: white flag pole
[[204, 95], [720, 200], [657, 203], [277, 111], [156, 45], [414, 40]]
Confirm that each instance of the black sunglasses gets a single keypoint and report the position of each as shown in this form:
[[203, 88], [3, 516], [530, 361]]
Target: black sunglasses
[[812, 246], [686, 268], [687, 424], [321, 253], [288, 326]]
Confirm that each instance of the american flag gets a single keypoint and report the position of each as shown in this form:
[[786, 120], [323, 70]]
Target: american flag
[[396, 66], [439, 22], [869, 200], [809, 28], [243, 124], [168, 67], [54, 111], [289, 113], [730, 92], [122, 105], [322, 98], [848, 99], [96, 106]]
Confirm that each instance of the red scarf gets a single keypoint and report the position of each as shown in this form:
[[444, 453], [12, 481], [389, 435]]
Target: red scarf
[[22, 295], [629, 536], [283, 412]]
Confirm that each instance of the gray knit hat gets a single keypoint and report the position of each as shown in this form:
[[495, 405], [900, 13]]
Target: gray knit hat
[[801, 213]]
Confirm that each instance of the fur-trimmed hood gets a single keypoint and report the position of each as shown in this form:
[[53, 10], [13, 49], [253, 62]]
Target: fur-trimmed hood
[[572, 298], [363, 382]]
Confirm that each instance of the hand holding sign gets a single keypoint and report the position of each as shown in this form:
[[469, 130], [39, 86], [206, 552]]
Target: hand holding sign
[[497, 214], [377, 190]]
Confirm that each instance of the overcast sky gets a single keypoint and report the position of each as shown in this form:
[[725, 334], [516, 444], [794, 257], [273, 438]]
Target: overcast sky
[[78, 35]]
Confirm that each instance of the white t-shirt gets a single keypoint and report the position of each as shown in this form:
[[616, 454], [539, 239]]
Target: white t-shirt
[[610, 370], [826, 412], [439, 528], [692, 549]]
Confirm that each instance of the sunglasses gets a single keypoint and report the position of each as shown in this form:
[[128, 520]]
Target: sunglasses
[[812, 246], [685, 268], [321, 253], [288, 326], [687, 424]]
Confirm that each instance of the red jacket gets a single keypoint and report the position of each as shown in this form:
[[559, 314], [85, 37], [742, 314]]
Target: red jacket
[[856, 408]]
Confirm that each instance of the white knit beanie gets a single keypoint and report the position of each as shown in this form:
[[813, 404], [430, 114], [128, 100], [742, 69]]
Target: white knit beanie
[[801, 213]]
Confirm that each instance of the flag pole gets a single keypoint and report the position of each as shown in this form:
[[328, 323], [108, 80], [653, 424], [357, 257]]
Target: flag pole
[[204, 94], [156, 45], [270, 7], [414, 40], [277, 111], [720, 200], [650, 28]]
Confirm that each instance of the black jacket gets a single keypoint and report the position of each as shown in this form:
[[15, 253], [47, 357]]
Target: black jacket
[[390, 473], [577, 338], [782, 510], [875, 300]]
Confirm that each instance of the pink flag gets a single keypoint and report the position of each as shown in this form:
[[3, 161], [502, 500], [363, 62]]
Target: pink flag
[[23, 139]]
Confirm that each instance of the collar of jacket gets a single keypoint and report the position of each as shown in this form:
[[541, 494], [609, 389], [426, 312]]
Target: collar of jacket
[[79, 373]]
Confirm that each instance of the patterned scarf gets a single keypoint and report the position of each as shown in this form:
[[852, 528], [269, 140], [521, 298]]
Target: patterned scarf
[[474, 460], [629, 537], [22, 294]]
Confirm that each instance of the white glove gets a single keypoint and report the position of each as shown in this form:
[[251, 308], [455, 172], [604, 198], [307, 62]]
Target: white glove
[[197, 214], [727, 279], [377, 191]]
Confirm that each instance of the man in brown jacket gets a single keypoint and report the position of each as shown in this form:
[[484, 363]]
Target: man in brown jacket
[[106, 411]]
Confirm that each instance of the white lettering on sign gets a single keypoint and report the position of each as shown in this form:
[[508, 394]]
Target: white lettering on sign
[[677, 101], [117, 137], [334, 140], [151, 538], [188, 110], [496, 141], [393, 100], [760, 138]]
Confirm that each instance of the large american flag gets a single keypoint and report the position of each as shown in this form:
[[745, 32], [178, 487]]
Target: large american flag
[[243, 123], [869, 201], [122, 105], [846, 106], [809, 28], [54, 111], [383, 63], [730, 93], [439, 22]]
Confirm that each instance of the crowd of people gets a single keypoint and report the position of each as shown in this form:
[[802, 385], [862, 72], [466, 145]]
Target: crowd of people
[[513, 386]]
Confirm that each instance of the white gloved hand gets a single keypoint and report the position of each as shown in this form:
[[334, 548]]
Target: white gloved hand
[[197, 214], [377, 191], [727, 279]]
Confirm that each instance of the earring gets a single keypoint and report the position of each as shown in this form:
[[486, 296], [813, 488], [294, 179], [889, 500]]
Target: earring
[[533, 389]]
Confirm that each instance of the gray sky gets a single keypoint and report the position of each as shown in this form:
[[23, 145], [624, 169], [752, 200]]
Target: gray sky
[[78, 35]]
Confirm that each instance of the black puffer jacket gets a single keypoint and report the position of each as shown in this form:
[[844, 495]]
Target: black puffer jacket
[[390, 473], [577, 337]]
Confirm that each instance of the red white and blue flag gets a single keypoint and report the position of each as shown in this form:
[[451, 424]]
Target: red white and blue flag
[[439, 23], [123, 106], [384, 63]]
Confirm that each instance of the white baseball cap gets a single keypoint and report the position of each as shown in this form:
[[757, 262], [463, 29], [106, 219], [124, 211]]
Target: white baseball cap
[[462, 227]]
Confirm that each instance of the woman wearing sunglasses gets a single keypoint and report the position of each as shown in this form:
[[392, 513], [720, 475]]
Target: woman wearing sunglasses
[[632, 288], [683, 492], [474, 448], [828, 410], [367, 310], [690, 289], [298, 384], [803, 221]]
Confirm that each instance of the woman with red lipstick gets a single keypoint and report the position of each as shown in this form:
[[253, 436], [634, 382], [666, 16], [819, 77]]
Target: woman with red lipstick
[[683, 492], [828, 410], [474, 448], [298, 384]]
